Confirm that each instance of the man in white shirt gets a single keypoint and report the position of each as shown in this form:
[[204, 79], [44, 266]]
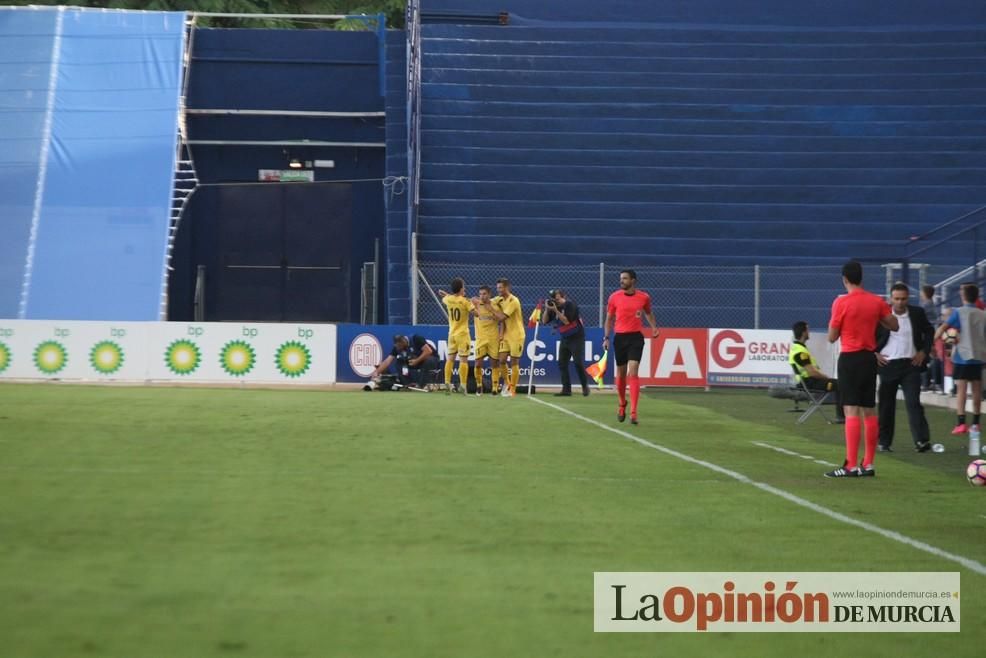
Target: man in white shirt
[[903, 356]]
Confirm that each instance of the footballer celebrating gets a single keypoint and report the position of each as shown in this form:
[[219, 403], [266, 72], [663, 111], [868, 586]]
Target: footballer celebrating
[[626, 307], [487, 338], [507, 310], [459, 309]]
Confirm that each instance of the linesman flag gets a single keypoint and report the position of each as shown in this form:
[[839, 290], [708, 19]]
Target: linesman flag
[[598, 369], [535, 316]]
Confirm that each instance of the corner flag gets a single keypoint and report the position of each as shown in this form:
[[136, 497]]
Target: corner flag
[[598, 369], [535, 317]]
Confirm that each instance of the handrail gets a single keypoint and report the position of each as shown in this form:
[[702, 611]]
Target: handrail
[[961, 275], [949, 237], [937, 229], [976, 228], [306, 17], [910, 253], [467, 18]]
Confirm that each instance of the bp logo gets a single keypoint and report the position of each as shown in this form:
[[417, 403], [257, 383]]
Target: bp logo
[[237, 358], [50, 357], [4, 356], [182, 357], [293, 359], [106, 357]]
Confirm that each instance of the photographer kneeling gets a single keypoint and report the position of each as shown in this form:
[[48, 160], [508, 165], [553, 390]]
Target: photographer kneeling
[[415, 358], [563, 314]]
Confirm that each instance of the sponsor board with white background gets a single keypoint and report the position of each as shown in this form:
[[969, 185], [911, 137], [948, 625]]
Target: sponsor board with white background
[[295, 353], [168, 351], [36, 349], [757, 357]]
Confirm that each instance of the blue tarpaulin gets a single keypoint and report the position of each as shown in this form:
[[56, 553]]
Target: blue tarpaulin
[[89, 102]]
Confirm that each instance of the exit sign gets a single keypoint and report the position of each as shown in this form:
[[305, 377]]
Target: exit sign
[[286, 175]]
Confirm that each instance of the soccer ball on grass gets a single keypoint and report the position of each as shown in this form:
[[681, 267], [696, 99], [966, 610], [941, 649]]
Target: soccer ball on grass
[[976, 472]]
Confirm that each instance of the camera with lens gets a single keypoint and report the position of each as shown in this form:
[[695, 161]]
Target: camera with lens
[[384, 383]]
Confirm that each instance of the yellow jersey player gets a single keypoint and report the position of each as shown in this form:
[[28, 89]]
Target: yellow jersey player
[[459, 309], [500, 371], [487, 330], [512, 342]]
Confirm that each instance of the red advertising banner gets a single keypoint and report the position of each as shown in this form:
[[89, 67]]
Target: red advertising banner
[[678, 357]]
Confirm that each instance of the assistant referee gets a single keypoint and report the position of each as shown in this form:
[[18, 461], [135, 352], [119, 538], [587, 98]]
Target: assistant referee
[[855, 317], [626, 307]]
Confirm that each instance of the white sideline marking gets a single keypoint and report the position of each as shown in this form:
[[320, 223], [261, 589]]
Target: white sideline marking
[[785, 451], [968, 563]]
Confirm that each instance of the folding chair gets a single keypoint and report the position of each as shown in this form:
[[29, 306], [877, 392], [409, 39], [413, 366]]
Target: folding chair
[[791, 392], [815, 399]]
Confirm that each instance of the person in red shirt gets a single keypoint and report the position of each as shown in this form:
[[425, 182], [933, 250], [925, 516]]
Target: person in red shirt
[[855, 317], [626, 307]]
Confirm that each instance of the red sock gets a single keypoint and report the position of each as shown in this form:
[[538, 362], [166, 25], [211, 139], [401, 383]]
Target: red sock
[[634, 393], [621, 390], [852, 441], [872, 426]]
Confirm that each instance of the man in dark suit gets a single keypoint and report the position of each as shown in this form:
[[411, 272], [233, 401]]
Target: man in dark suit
[[903, 356]]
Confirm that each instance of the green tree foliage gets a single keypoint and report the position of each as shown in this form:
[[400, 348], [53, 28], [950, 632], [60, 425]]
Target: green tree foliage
[[393, 10]]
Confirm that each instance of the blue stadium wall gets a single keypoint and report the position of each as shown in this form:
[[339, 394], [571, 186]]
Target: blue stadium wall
[[715, 133], [817, 13], [322, 70]]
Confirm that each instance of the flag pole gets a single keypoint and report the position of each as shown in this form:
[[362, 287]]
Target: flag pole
[[536, 318], [530, 376]]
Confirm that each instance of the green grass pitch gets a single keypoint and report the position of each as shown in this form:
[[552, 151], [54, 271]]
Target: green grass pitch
[[163, 522]]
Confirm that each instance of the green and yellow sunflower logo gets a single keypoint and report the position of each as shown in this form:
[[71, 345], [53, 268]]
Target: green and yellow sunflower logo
[[106, 357], [237, 358], [293, 359], [182, 357], [4, 356], [50, 357]]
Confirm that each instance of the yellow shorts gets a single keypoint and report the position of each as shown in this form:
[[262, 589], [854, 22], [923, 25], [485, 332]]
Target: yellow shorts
[[487, 347], [459, 343], [512, 345]]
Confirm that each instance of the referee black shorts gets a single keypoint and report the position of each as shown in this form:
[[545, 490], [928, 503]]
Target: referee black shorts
[[857, 379], [628, 347]]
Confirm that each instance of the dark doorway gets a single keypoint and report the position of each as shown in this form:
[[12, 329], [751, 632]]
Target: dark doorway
[[284, 254]]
